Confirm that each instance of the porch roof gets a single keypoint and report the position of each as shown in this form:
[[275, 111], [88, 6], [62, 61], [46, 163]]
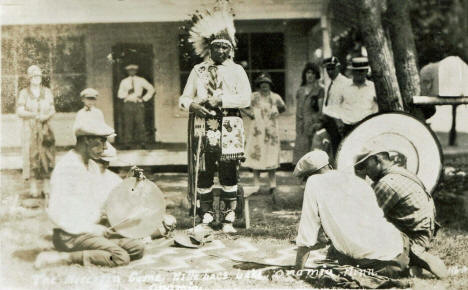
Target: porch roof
[[19, 12]]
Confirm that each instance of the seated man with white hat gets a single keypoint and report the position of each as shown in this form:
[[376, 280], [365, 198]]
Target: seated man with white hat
[[345, 207], [75, 206], [404, 201]]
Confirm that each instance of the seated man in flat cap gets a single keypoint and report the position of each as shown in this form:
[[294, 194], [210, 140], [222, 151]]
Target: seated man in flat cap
[[75, 206], [404, 201], [345, 207]]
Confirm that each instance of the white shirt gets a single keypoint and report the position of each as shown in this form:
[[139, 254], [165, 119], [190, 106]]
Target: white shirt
[[78, 193], [235, 85], [83, 114], [346, 207], [334, 96], [358, 102], [137, 84]]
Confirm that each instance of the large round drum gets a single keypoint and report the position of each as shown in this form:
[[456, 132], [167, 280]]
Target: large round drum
[[135, 208], [400, 133]]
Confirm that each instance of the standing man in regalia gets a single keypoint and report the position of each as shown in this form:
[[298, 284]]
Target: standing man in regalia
[[215, 91]]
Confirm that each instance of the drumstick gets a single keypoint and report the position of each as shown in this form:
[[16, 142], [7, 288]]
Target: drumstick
[[142, 212]]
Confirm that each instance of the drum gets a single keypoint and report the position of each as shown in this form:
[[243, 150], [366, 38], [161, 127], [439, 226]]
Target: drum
[[414, 141], [136, 207]]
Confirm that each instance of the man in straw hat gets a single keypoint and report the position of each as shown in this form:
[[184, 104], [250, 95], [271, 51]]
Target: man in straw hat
[[215, 91], [404, 201], [131, 92], [359, 99], [345, 207], [75, 206]]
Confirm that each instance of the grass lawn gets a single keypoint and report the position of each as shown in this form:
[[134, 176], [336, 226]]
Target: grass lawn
[[24, 233]]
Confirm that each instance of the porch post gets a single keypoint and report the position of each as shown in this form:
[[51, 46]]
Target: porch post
[[326, 29]]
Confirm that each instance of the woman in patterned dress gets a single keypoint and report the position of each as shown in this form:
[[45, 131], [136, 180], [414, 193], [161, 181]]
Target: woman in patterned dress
[[309, 99], [35, 106], [263, 142]]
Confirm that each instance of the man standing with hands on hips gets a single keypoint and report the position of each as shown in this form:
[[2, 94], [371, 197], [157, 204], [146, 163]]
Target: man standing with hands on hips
[[131, 91]]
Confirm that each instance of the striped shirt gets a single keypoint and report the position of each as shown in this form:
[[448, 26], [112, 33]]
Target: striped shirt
[[405, 202]]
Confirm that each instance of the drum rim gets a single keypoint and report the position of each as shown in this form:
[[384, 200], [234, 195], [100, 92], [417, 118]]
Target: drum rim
[[434, 136]]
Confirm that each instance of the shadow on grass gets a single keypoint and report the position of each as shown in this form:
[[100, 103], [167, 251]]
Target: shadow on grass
[[28, 255], [450, 195], [264, 222]]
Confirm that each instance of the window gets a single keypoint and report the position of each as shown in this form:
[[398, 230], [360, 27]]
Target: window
[[257, 52], [263, 52], [63, 63]]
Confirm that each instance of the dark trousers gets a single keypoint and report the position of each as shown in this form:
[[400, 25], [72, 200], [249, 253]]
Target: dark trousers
[[346, 130], [332, 129], [133, 123], [227, 171], [227, 175], [89, 249], [394, 268]]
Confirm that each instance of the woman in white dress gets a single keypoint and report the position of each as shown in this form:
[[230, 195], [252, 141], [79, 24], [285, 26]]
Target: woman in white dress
[[263, 142], [35, 105]]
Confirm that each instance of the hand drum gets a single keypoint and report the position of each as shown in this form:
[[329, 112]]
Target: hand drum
[[136, 207]]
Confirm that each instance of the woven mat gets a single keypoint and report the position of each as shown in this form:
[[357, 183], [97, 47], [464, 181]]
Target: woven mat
[[217, 256]]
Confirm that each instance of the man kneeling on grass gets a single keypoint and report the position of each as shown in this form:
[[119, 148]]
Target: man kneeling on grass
[[345, 207], [405, 203], [78, 194]]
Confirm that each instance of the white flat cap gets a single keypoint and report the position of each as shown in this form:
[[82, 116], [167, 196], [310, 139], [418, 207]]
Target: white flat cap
[[93, 127], [89, 93], [131, 66], [311, 162]]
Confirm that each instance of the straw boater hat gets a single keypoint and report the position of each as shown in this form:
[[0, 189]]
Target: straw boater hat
[[211, 26], [359, 63], [402, 136]]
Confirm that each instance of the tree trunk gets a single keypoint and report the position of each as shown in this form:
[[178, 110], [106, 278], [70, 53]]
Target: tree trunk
[[380, 55], [404, 51]]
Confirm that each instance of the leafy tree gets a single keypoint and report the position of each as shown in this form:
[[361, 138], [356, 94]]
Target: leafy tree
[[440, 28]]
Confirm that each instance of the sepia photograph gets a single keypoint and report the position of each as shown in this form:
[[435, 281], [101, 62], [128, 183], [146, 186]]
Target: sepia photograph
[[234, 144]]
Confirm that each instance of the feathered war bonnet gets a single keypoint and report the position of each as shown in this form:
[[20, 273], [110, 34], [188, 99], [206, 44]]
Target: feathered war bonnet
[[211, 26]]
